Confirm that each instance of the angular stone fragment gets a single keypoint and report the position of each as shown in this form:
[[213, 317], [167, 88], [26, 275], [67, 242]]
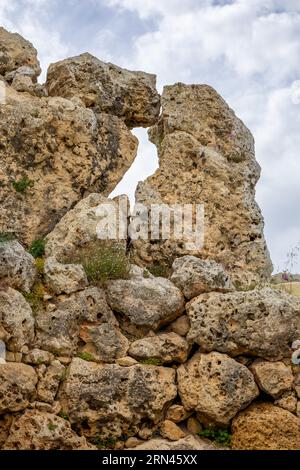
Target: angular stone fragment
[[215, 386], [64, 278], [132, 96], [52, 149], [206, 156], [36, 430], [17, 52], [17, 387], [110, 400], [181, 325], [38, 356], [167, 347], [195, 276], [274, 378], [260, 323], [187, 443], [48, 385], [146, 302], [16, 320], [17, 267], [170, 430], [264, 426], [177, 413]]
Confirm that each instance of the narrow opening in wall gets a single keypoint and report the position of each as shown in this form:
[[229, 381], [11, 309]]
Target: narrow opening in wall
[[145, 164]]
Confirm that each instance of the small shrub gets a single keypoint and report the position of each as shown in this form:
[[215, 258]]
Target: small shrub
[[108, 443], [6, 237], [40, 264], [102, 261], [22, 185], [85, 356], [63, 415], [151, 361], [221, 436], [159, 270], [35, 298], [37, 248]]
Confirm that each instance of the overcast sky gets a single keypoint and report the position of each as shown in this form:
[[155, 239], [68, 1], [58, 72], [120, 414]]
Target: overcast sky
[[249, 50]]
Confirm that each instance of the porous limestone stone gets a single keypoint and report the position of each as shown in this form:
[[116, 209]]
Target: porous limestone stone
[[177, 413], [166, 347], [53, 151], [36, 430], [195, 276], [64, 278], [215, 386], [48, 385], [38, 356], [187, 443], [287, 401], [170, 430], [181, 325], [16, 320], [81, 317], [206, 156], [17, 267], [146, 302], [17, 386], [261, 323], [274, 378], [106, 88], [15, 53], [264, 426], [111, 401]]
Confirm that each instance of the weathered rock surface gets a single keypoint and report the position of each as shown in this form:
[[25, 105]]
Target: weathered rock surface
[[260, 323], [274, 378], [16, 320], [17, 382], [181, 325], [207, 157], [17, 267], [36, 430], [146, 302], [187, 443], [17, 52], [167, 347], [109, 400], [81, 225], [83, 316], [215, 386], [106, 88], [195, 276], [49, 383], [60, 150], [266, 427], [177, 413], [170, 430], [64, 278]]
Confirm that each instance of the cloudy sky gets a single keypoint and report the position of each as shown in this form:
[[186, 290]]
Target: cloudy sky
[[249, 50]]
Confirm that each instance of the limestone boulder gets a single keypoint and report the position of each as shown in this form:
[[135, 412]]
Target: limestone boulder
[[194, 276], [146, 302], [261, 323], [186, 443], [64, 278], [206, 157], [264, 426], [16, 320], [17, 387], [36, 430], [48, 384], [110, 400], [82, 225], [166, 347], [170, 430], [274, 378], [104, 87], [15, 53], [17, 267], [53, 149], [216, 387], [83, 317]]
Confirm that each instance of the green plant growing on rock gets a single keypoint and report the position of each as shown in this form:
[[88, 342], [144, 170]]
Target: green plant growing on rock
[[220, 436], [22, 185], [101, 444], [37, 248], [102, 261], [159, 270], [63, 415], [151, 362], [35, 297], [85, 356], [52, 426]]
